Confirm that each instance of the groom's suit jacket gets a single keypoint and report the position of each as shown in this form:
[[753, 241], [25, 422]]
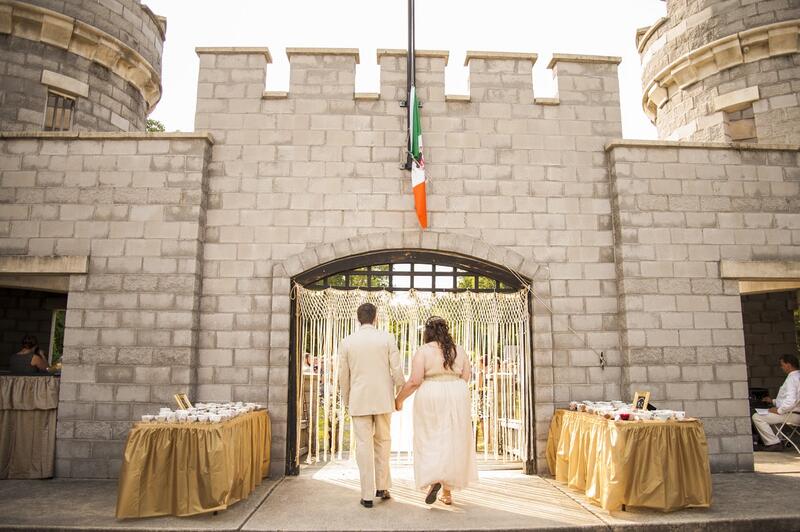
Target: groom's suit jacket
[[369, 370]]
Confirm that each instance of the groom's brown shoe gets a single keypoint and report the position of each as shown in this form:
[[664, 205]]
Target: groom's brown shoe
[[383, 495], [366, 504]]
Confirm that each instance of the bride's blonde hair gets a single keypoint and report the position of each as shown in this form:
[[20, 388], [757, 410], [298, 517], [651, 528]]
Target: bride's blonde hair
[[436, 330]]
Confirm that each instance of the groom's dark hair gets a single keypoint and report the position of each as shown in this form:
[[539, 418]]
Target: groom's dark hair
[[366, 313]]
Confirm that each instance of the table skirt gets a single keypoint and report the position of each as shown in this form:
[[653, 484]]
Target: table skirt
[[651, 464], [28, 407], [190, 468]]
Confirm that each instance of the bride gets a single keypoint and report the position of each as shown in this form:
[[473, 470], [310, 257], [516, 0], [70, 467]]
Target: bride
[[444, 456]]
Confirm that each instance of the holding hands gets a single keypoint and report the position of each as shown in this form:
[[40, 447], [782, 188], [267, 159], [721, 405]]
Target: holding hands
[[398, 404]]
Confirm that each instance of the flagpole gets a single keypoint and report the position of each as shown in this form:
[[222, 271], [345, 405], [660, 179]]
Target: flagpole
[[411, 74], [415, 160]]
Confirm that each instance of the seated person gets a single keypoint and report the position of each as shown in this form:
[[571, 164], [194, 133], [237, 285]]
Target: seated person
[[27, 361], [785, 402]]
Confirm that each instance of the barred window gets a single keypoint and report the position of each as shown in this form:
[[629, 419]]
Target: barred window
[[424, 277], [58, 116]]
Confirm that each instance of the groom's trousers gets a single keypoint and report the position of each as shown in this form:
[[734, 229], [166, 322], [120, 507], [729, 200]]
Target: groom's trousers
[[373, 450]]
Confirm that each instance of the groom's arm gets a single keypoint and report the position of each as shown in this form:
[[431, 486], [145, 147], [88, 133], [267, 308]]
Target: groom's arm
[[394, 363], [344, 374]]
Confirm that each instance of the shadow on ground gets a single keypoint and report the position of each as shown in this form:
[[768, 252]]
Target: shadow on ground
[[326, 498]]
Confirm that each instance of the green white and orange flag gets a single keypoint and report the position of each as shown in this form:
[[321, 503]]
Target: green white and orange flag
[[418, 161]]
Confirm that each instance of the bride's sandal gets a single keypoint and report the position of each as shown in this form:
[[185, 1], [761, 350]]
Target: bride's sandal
[[446, 499], [432, 492]]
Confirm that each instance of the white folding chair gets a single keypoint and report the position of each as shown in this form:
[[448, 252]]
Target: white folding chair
[[786, 425]]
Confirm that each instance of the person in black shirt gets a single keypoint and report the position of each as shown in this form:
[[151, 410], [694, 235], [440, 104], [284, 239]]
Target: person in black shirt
[[27, 361]]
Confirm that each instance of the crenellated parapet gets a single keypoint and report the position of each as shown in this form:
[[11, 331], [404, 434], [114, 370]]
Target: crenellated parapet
[[430, 65], [500, 76], [230, 86], [586, 79], [329, 73], [500, 126], [326, 72]]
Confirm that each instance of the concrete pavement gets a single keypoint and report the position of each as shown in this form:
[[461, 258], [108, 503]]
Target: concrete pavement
[[326, 498]]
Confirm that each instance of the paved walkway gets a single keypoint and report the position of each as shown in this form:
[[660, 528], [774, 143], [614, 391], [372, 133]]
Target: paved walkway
[[326, 498]]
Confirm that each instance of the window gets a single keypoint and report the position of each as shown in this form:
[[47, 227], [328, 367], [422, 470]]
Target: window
[[58, 115], [425, 277]]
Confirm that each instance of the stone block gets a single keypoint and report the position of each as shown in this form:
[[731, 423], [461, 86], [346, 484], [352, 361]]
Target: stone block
[[731, 372], [132, 393], [734, 408], [683, 391], [93, 430], [709, 390]]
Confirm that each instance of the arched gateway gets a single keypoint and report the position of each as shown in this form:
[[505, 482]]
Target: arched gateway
[[488, 307]]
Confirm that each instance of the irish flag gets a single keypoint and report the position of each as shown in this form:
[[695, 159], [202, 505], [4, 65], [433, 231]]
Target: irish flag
[[418, 162]]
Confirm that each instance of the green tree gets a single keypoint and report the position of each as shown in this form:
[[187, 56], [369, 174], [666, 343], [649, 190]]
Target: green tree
[[484, 283], [58, 336], [154, 126]]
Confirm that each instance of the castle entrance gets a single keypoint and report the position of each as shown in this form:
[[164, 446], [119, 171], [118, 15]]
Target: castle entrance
[[488, 310]]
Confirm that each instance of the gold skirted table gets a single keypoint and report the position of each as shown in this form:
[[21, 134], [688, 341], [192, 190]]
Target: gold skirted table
[[652, 464], [190, 468], [28, 406]]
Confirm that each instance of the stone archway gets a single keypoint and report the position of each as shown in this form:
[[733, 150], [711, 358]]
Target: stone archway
[[280, 341]]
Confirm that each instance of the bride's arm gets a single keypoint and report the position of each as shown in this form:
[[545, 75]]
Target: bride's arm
[[414, 381]]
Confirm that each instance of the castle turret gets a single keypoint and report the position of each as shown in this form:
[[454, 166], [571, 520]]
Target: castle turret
[[724, 71], [80, 65]]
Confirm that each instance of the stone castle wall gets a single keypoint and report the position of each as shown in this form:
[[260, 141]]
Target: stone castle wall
[[107, 55], [135, 205], [300, 178], [681, 211], [724, 70], [193, 243], [769, 332]]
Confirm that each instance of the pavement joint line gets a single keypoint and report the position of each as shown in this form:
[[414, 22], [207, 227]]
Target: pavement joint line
[[259, 505], [583, 504]]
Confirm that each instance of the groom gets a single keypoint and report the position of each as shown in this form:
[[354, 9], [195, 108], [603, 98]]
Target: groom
[[369, 371]]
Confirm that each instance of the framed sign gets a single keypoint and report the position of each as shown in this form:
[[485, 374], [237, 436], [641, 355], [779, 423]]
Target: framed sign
[[183, 401], [640, 400]]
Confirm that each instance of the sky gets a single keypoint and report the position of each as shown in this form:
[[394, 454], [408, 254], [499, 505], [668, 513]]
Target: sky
[[598, 27]]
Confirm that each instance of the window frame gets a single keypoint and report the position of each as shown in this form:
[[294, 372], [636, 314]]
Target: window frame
[[486, 277], [60, 96]]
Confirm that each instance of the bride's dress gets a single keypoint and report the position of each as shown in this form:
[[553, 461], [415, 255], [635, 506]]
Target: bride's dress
[[403, 430], [443, 444]]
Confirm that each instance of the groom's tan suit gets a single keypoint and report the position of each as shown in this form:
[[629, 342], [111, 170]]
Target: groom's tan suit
[[369, 371]]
